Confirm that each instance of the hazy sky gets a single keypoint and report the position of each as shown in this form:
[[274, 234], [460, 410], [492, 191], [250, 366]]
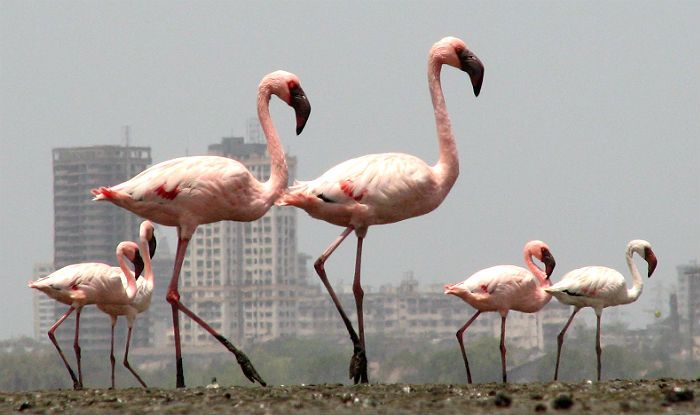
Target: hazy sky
[[586, 133]]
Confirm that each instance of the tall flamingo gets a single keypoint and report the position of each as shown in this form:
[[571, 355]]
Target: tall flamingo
[[189, 191], [142, 300], [601, 287], [82, 284], [386, 188], [503, 288]]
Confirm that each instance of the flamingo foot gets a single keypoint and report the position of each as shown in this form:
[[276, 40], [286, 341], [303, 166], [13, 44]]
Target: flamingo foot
[[77, 385], [358, 365], [248, 369]]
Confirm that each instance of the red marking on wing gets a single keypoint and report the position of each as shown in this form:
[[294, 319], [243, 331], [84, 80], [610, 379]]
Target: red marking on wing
[[170, 195], [74, 287], [104, 191], [484, 287], [349, 189]]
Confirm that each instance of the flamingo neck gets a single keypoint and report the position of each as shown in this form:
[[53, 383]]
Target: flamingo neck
[[147, 269], [275, 185], [637, 283], [128, 276], [447, 167], [537, 271]]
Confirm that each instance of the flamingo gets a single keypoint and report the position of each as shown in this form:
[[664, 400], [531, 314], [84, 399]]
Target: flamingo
[[503, 288], [190, 191], [385, 188], [82, 284], [600, 287], [141, 302]]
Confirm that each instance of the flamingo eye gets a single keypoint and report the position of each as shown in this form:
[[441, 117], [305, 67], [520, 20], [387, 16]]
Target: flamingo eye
[[292, 85]]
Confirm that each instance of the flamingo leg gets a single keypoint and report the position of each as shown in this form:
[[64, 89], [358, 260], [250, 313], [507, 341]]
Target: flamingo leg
[[173, 297], [460, 339], [598, 349], [358, 363], [76, 385], [76, 344], [126, 358], [560, 341], [319, 265], [111, 350], [503, 347]]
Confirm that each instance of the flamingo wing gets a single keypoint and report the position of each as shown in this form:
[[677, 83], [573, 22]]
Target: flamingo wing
[[589, 283]]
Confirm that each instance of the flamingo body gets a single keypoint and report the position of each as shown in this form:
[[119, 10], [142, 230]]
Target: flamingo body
[[370, 190], [191, 190], [503, 288]]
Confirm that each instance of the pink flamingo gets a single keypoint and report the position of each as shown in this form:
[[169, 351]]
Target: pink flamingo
[[140, 303], [189, 191], [503, 288], [79, 285], [600, 287], [386, 188]]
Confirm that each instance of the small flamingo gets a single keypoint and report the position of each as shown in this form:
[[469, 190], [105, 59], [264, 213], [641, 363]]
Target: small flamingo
[[386, 188], [503, 288], [189, 191], [600, 287], [79, 285], [142, 300]]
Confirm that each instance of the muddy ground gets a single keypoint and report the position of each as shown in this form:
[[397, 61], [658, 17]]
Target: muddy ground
[[609, 397]]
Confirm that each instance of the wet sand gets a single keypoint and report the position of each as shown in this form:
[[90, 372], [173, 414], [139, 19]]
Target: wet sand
[[609, 397]]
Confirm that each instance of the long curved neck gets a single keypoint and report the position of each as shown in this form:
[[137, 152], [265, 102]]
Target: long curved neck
[[447, 167], [147, 269], [537, 271], [275, 185], [637, 284], [128, 275]]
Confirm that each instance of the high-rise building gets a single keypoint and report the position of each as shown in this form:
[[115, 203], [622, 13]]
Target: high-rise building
[[242, 277], [85, 231], [43, 305], [689, 308]]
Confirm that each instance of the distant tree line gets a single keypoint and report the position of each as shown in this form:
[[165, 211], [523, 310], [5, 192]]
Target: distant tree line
[[29, 365]]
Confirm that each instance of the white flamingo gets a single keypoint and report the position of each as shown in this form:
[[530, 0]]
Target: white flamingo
[[142, 300], [600, 287], [82, 284], [189, 191], [503, 288], [386, 188]]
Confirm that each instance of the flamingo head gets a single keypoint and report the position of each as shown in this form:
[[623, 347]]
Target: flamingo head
[[131, 251], [454, 52], [643, 249], [287, 87], [541, 251], [147, 232]]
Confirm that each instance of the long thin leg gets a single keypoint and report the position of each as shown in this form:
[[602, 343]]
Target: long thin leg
[[111, 349], [460, 339], [358, 359], [76, 344], [560, 341], [503, 347], [126, 358], [173, 297], [598, 350], [52, 337]]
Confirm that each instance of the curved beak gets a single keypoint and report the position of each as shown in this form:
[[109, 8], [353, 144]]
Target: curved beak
[[152, 245], [471, 64], [549, 262], [650, 258], [301, 106], [138, 265]]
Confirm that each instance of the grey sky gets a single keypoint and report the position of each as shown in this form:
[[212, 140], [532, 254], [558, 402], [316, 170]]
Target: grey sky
[[586, 133]]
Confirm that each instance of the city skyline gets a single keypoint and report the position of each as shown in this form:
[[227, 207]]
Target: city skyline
[[585, 134]]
